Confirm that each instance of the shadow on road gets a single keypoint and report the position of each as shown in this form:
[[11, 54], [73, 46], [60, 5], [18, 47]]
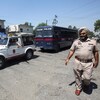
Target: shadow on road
[[16, 61], [53, 51], [89, 89]]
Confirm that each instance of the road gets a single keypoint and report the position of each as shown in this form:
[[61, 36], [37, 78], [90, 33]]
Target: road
[[45, 77]]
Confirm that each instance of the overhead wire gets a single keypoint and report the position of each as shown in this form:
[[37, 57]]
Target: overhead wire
[[78, 10]]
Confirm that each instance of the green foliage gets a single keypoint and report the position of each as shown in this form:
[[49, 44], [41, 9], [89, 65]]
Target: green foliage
[[74, 27], [97, 26], [40, 24], [91, 34], [70, 27], [34, 32]]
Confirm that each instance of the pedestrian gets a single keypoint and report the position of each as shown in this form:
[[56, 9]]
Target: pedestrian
[[86, 58]]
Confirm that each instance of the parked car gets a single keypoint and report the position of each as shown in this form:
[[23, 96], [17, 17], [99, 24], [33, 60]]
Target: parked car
[[15, 46]]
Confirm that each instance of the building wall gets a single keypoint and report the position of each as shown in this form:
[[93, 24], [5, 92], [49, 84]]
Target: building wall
[[2, 23], [25, 28], [20, 28], [13, 28]]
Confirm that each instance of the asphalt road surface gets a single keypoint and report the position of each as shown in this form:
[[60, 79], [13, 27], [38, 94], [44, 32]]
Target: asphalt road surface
[[45, 77]]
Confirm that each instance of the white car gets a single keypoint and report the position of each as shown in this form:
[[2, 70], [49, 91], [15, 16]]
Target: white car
[[15, 46]]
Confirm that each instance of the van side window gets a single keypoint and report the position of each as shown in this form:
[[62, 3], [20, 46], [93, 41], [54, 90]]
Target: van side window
[[13, 41], [27, 40]]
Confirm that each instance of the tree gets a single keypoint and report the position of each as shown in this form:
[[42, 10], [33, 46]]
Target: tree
[[74, 27], [91, 34], [40, 24], [97, 26], [26, 23], [70, 27]]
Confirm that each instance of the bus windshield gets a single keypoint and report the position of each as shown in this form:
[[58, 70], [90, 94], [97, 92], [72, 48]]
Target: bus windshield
[[39, 34], [44, 33], [47, 33], [3, 41]]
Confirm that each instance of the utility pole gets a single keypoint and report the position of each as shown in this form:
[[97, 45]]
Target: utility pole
[[46, 22]]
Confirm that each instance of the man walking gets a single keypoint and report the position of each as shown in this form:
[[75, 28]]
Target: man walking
[[86, 58]]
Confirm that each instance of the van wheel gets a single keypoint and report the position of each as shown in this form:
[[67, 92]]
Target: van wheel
[[2, 62], [29, 54]]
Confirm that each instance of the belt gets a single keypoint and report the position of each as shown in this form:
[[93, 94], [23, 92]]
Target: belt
[[84, 60]]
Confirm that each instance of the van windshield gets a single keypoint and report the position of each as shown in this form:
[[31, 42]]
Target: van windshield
[[3, 41]]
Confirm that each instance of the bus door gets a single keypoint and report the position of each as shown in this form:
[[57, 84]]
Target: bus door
[[57, 39], [61, 38]]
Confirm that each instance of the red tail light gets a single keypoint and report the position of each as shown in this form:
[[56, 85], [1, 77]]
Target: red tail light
[[38, 39], [48, 39]]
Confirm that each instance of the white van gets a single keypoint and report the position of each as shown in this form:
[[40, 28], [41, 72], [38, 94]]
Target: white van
[[15, 46]]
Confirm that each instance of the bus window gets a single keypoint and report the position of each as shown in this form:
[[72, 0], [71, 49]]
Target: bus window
[[38, 34], [57, 34], [47, 33]]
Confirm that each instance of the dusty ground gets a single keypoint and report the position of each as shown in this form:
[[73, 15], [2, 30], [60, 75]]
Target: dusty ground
[[45, 77]]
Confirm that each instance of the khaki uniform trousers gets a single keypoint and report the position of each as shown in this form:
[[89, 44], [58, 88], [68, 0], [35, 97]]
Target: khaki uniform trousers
[[82, 72]]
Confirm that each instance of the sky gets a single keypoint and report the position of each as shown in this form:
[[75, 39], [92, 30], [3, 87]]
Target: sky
[[79, 13]]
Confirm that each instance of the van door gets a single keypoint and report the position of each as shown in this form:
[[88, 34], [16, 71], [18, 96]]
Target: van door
[[14, 49]]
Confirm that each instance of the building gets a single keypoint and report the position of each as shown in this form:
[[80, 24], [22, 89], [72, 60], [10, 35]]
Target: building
[[2, 27], [25, 28]]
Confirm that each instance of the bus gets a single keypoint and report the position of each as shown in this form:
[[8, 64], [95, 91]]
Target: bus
[[54, 37]]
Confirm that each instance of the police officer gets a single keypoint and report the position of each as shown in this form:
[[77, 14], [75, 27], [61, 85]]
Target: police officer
[[86, 58]]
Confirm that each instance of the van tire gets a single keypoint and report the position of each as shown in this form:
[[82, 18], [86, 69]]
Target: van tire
[[29, 55], [2, 62]]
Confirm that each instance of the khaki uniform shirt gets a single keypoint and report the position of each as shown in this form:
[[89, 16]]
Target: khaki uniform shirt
[[84, 50]]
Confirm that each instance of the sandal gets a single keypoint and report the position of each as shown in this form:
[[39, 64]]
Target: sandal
[[77, 92]]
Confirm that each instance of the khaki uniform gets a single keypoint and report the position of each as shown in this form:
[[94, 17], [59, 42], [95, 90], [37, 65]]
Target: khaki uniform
[[83, 60]]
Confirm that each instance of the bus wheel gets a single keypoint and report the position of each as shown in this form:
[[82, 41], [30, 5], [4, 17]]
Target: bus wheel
[[42, 49], [2, 62], [57, 49]]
